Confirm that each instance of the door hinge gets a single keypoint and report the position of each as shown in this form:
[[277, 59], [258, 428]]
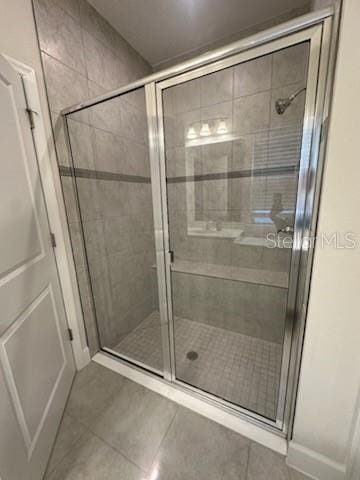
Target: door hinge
[[171, 255], [53, 239], [70, 333], [31, 114]]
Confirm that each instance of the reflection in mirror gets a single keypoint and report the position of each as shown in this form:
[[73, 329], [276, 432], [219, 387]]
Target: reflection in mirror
[[215, 209]]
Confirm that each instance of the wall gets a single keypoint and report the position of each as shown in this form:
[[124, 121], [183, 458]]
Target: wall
[[83, 56], [233, 185], [330, 378]]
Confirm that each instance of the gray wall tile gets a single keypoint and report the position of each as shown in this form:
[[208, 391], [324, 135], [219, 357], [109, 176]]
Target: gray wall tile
[[290, 65], [252, 113], [84, 56], [103, 66], [253, 76], [231, 305], [70, 6], [97, 26], [64, 85], [81, 140], [217, 87], [59, 34]]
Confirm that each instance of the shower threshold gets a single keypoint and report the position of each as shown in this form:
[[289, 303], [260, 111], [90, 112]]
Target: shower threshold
[[238, 368]]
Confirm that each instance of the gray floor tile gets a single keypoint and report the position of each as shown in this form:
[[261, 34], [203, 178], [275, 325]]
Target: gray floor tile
[[93, 459], [135, 422], [264, 464], [94, 388], [69, 433], [196, 448], [135, 430]]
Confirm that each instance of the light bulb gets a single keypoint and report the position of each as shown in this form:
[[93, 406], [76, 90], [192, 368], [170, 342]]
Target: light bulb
[[205, 130], [191, 134], [222, 128]]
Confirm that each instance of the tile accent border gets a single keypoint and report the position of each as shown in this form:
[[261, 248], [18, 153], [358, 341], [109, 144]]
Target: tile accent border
[[122, 177], [101, 175], [257, 172]]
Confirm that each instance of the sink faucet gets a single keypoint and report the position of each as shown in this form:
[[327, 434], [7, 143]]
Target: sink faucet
[[286, 229]]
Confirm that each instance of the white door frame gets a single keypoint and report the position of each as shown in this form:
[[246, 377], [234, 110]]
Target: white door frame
[[48, 168], [353, 459]]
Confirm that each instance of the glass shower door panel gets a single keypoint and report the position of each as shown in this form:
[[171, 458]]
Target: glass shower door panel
[[109, 143], [232, 150]]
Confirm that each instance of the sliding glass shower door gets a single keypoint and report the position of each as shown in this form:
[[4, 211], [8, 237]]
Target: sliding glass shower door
[[190, 199], [232, 148], [116, 272]]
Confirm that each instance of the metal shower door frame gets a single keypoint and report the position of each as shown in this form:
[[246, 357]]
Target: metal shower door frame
[[325, 23], [319, 38]]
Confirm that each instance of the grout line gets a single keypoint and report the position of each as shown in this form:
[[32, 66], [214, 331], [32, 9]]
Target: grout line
[[248, 461], [113, 50], [44, 52], [101, 175], [233, 99], [177, 406], [71, 447], [118, 451], [89, 430], [58, 5]]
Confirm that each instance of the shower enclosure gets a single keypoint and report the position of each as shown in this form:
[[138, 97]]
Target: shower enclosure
[[197, 189]]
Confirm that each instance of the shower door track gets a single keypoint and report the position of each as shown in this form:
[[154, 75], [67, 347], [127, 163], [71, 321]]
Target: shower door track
[[320, 29]]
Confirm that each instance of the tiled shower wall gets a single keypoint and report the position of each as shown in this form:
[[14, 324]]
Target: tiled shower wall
[[244, 96], [116, 210], [83, 56]]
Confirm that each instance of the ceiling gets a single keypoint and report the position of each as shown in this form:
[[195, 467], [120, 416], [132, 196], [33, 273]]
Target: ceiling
[[163, 29]]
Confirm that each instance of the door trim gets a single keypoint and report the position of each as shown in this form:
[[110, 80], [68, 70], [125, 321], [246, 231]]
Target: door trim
[[48, 171]]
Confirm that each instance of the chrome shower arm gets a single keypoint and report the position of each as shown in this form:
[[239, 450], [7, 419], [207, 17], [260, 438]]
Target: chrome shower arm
[[294, 95]]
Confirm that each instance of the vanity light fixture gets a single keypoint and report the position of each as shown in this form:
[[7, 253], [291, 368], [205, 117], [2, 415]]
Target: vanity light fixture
[[222, 128], [191, 134], [205, 130]]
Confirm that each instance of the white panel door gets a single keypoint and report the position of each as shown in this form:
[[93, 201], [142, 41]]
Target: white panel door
[[36, 358]]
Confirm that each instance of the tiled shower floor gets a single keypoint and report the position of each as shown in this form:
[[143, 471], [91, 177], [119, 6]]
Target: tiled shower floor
[[241, 369]]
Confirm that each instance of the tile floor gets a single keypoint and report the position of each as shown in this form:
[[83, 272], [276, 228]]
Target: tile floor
[[115, 429], [241, 369]]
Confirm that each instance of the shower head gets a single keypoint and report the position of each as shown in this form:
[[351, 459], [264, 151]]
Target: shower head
[[282, 104]]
